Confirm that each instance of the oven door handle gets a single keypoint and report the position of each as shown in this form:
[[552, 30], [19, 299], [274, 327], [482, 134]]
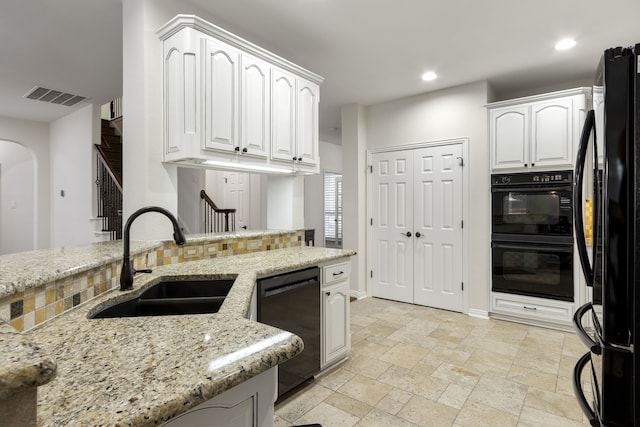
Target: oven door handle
[[546, 248], [594, 347], [529, 189], [581, 241], [579, 393]]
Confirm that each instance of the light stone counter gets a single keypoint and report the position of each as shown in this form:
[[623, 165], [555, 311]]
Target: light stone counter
[[24, 270], [145, 370]]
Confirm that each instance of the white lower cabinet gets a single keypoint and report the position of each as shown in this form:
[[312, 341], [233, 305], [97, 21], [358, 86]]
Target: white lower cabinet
[[336, 331], [249, 404], [532, 310]]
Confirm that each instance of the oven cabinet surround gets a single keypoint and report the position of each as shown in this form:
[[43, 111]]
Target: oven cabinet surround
[[537, 133], [249, 404], [335, 332], [532, 310], [228, 100]]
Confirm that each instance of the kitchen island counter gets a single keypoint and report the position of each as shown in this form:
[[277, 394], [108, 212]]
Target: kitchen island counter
[[142, 371]]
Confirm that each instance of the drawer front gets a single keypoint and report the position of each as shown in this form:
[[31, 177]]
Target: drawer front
[[337, 273], [551, 311]]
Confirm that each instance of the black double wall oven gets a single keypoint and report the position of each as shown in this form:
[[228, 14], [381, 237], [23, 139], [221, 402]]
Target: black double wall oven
[[532, 234]]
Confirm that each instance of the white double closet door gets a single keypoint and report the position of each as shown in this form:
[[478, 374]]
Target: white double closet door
[[417, 226]]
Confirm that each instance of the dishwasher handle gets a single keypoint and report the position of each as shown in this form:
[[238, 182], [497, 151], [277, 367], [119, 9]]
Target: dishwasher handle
[[288, 287]]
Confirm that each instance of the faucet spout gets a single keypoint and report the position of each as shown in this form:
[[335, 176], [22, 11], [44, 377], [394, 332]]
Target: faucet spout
[[127, 273]]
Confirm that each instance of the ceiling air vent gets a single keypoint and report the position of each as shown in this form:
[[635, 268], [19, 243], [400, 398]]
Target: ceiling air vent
[[54, 96]]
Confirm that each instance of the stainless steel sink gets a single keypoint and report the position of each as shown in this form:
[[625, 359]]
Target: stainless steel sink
[[172, 297]]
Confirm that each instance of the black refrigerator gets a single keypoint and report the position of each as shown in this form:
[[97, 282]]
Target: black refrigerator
[[609, 325]]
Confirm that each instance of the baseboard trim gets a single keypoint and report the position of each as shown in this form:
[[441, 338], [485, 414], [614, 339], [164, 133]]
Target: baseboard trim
[[481, 314], [357, 294]]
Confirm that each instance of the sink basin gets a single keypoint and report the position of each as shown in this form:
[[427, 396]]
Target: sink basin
[[171, 297]]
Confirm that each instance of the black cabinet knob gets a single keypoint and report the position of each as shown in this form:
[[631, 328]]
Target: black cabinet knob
[[244, 150], [418, 234], [408, 234], [237, 148]]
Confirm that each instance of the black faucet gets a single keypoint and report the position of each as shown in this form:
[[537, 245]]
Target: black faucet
[[126, 276]]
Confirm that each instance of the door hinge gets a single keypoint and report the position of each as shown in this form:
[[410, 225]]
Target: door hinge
[[462, 286], [371, 274], [370, 168], [371, 221], [461, 161], [461, 223]]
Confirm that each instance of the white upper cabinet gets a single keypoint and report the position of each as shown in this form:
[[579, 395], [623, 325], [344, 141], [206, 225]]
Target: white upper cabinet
[[307, 147], [256, 106], [509, 128], [284, 116], [221, 73], [235, 105], [181, 93], [295, 119], [552, 133], [539, 132]]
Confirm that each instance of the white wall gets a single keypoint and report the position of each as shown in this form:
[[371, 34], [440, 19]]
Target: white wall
[[34, 136], [190, 182], [72, 138], [285, 202], [17, 214], [450, 113], [330, 161]]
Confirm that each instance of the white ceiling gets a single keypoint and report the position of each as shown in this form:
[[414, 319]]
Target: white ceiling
[[368, 51]]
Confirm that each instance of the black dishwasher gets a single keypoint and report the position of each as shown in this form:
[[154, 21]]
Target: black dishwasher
[[291, 301]]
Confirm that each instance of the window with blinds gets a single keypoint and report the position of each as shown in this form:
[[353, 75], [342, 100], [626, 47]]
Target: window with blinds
[[333, 210]]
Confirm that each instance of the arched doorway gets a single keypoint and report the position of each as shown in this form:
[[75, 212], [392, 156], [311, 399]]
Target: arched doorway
[[17, 198]]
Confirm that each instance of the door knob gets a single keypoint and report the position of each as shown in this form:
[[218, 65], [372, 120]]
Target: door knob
[[408, 234], [418, 234]]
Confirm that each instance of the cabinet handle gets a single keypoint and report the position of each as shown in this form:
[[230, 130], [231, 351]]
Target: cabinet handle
[[529, 308], [525, 165], [244, 150], [408, 234], [295, 158], [337, 274], [418, 234], [533, 164], [328, 294], [237, 149]]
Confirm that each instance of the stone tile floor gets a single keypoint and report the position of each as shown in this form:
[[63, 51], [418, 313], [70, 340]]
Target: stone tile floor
[[419, 366]]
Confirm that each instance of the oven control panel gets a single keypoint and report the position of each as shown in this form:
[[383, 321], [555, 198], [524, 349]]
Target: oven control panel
[[524, 178]]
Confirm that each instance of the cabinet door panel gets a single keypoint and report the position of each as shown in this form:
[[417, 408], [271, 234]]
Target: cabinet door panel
[[307, 122], [509, 129], [283, 110], [181, 101], [256, 126], [221, 96], [552, 133], [336, 322]]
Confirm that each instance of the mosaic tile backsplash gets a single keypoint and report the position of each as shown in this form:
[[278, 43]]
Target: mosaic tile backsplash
[[26, 309]]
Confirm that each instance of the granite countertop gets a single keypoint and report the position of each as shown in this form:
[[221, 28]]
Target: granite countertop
[[21, 270], [145, 370]]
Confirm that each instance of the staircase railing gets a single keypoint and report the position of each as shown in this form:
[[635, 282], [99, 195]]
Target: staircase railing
[[216, 219], [109, 193], [115, 108]]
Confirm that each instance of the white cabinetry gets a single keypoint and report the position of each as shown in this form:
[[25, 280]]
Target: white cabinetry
[[532, 310], [539, 132], [249, 404], [221, 73], [295, 119], [336, 332], [231, 103]]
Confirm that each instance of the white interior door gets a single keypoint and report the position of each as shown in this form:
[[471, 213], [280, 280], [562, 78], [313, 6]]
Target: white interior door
[[237, 196], [392, 220], [417, 226], [438, 227]]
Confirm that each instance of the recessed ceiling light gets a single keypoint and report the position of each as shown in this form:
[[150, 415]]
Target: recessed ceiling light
[[565, 44], [429, 75]]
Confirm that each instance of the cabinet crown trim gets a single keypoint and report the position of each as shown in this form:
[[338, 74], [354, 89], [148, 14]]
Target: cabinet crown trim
[[541, 97], [180, 22]]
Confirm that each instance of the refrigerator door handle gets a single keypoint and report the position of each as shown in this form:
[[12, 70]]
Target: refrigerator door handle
[[589, 125], [594, 346], [577, 390]]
